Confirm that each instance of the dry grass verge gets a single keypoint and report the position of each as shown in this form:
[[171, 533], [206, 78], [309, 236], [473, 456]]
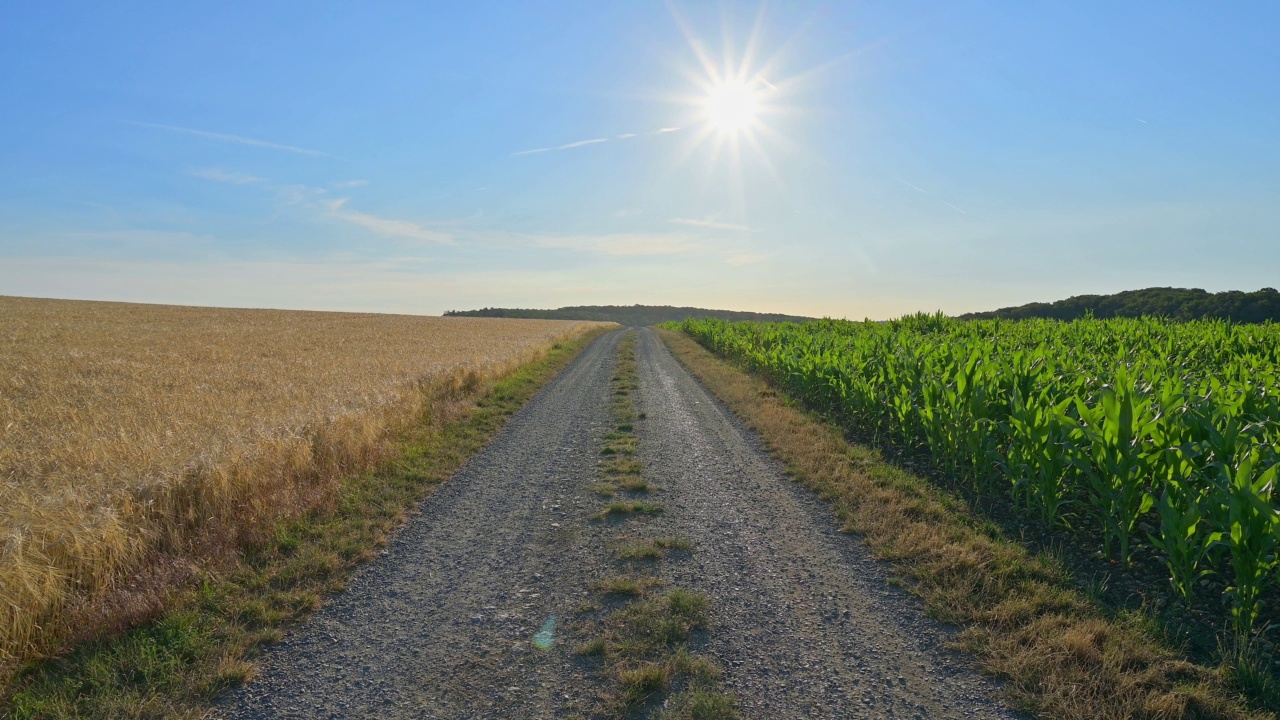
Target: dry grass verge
[[1022, 618], [205, 631]]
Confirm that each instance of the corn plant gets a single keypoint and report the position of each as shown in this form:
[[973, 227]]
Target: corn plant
[[1116, 468], [1181, 508], [1251, 536], [1040, 455], [1093, 422]]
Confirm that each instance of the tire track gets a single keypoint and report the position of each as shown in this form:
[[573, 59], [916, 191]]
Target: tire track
[[441, 625], [805, 622]]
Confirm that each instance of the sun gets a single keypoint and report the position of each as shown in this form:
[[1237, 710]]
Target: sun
[[737, 104], [732, 105]]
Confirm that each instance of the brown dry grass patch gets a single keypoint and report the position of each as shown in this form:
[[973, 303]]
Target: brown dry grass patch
[[1023, 620], [135, 436]]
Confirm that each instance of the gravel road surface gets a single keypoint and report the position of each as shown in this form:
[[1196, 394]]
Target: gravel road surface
[[804, 622]]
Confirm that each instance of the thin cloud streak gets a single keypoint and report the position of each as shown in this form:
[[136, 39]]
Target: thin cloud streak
[[747, 259], [904, 182], [313, 200], [143, 237], [228, 138], [580, 143], [387, 226], [621, 245], [566, 146], [226, 176], [926, 192], [709, 224], [592, 141]]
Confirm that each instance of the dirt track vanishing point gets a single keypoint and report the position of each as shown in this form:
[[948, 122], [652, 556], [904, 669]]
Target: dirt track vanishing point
[[803, 623]]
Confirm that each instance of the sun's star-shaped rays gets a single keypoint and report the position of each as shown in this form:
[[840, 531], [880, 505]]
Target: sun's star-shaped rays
[[733, 100]]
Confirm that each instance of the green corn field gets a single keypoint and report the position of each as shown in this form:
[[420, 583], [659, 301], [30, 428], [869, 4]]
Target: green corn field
[[1096, 424]]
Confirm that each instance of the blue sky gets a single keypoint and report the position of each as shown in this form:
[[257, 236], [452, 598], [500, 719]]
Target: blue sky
[[903, 156]]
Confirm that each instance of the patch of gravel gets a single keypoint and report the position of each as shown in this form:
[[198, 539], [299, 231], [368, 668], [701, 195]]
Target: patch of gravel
[[441, 626], [803, 618]]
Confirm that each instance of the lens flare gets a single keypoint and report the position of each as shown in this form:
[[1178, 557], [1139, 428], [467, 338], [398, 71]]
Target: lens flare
[[546, 637]]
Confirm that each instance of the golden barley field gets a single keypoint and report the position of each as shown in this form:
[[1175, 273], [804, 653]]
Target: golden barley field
[[131, 432]]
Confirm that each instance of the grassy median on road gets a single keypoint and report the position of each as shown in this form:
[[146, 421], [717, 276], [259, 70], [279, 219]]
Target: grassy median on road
[[641, 639], [205, 636], [1023, 620]]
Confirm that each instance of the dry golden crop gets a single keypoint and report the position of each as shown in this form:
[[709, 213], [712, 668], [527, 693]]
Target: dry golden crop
[[129, 432]]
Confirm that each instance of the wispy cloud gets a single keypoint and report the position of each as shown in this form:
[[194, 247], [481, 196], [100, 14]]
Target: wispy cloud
[[712, 224], [299, 194], [580, 143], [904, 182], [566, 146], [220, 175], [228, 138], [387, 226], [926, 192], [740, 259], [128, 243], [592, 141], [625, 244], [317, 200], [142, 237]]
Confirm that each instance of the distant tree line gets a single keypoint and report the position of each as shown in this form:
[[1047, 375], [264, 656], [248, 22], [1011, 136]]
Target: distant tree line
[[1171, 303], [637, 315]]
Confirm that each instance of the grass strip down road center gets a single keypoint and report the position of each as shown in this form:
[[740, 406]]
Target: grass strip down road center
[[206, 637], [1023, 620], [641, 639]]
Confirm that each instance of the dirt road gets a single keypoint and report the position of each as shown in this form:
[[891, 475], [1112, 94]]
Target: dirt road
[[804, 623]]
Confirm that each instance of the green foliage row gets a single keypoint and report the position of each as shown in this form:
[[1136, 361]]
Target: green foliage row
[[1092, 423], [1172, 303]]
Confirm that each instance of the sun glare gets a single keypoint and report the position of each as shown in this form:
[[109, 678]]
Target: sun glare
[[735, 105], [732, 106]]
